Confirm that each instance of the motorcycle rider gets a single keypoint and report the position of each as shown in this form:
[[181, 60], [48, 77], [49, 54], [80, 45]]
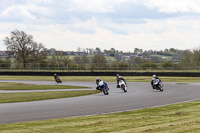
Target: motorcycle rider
[[154, 78], [55, 76], [120, 78], [97, 82]]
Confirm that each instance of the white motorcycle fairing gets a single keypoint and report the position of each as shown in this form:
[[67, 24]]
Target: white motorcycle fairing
[[123, 85]]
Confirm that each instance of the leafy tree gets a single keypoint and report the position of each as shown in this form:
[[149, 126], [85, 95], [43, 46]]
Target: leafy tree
[[23, 47], [98, 50], [187, 58], [99, 61], [138, 51], [173, 50], [5, 63], [118, 57], [84, 59], [196, 58], [77, 59], [112, 52]]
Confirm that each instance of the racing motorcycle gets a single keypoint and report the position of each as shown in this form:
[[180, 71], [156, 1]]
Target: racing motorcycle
[[103, 87], [58, 80], [122, 85], [157, 85]]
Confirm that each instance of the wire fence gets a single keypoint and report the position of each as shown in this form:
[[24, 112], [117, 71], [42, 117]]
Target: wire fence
[[91, 67]]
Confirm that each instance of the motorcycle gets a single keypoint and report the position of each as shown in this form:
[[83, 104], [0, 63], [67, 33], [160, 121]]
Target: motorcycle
[[122, 85], [103, 88], [58, 80], [157, 85]]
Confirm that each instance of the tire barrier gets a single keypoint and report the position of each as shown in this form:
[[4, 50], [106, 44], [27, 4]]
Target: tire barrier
[[174, 74]]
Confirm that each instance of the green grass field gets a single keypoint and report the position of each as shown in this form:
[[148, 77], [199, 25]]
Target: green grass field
[[36, 96], [21, 86], [104, 78], [177, 118]]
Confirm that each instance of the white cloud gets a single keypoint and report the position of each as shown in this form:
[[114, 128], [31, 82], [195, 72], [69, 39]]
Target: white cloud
[[181, 33], [42, 1], [173, 6], [14, 11], [25, 12], [92, 6], [51, 24], [97, 6]]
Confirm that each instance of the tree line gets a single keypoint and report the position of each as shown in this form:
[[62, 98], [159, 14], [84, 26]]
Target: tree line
[[24, 50]]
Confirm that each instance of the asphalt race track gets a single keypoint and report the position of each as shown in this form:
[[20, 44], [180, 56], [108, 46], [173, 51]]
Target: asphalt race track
[[139, 95]]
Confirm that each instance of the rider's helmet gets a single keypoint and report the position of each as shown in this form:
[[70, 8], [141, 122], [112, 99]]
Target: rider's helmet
[[117, 75], [154, 76], [55, 74], [97, 79]]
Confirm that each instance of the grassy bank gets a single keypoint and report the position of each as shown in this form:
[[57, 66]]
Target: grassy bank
[[21, 86], [178, 118], [36, 96], [105, 78]]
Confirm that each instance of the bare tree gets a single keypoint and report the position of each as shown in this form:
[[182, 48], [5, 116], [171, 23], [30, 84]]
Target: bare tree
[[23, 47]]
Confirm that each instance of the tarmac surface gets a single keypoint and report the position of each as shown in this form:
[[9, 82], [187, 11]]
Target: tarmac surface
[[140, 95]]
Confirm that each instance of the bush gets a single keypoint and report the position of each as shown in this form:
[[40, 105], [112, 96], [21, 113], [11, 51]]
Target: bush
[[149, 64], [167, 64]]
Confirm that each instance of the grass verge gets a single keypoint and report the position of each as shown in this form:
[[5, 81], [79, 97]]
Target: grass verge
[[104, 78], [35, 96], [21, 86], [177, 118]]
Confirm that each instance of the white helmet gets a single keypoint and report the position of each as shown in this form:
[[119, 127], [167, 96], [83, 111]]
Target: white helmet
[[97, 79], [154, 76]]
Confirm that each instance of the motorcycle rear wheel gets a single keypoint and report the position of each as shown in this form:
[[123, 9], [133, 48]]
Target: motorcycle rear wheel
[[124, 89], [160, 88], [104, 91]]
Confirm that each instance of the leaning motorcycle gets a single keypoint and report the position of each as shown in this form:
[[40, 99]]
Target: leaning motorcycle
[[157, 85], [58, 80], [103, 87], [122, 85]]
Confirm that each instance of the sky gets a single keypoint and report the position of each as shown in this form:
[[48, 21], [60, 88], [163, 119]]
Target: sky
[[120, 24]]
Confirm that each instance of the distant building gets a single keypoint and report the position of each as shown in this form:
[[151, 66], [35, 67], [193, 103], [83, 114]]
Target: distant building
[[2, 53]]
